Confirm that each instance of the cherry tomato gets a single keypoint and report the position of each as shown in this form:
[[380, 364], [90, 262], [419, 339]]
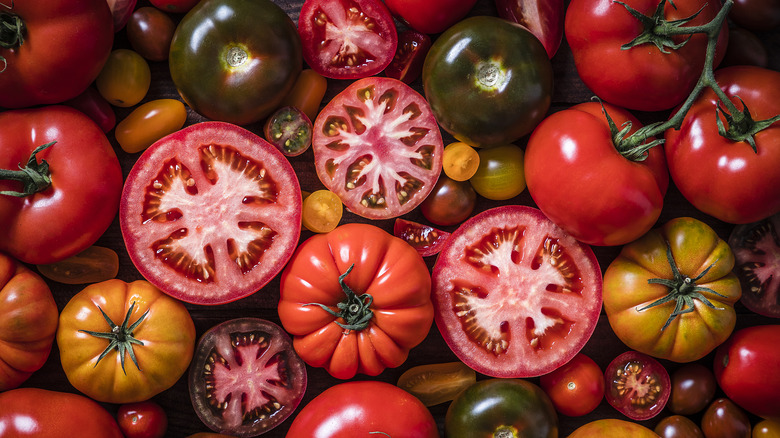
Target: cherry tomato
[[149, 123], [637, 385], [150, 32], [93, 265], [409, 56], [144, 419], [289, 130], [677, 426], [322, 211], [125, 78], [460, 161], [437, 383], [450, 202], [766, 429], [693, 388], [724, 419], [307, 93], [500, 175], [426, 239], [757, 15], [745, 48], [575, 388]]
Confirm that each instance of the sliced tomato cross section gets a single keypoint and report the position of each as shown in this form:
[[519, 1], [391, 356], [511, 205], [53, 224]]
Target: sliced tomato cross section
[[211, 213], [514, 295]]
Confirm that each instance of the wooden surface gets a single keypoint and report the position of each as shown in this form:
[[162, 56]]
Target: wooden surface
[[603, 346]]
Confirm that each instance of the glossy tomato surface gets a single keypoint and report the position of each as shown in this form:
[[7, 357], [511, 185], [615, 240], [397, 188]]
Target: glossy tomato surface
[[432, 16], [450, 202], [724, 419], [514, 295], [211, 213], [144, 419], [576, 388], [693, 388], [437, 383], [613, 428], [544, 18]]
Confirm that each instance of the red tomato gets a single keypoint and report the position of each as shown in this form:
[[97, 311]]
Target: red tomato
[[430, 16], [544, 18], [378, 147], [52, 414], [356, 300], [580, 180], [93, 104], [426, 239], [514, 295], [58, 50], [347, 39], [364, 408], [408, 61], [575, 388], [144, 419], [642, 77], [637, 385], [721, 177], [83, 194], [746, 369], [211, 213], [758, 15]]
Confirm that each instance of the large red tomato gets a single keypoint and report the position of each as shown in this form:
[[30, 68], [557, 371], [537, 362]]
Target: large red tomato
[[514, 295], [364, 408], [356, 300], [51, 51], [581, 180], [430, 16], [725, 177], [211, 213], [73, 186], [642, 77]]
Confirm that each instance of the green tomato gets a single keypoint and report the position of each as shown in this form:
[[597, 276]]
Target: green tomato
[[500, 174]]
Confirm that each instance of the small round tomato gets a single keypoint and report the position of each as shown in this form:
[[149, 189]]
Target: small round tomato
[[677, 426], [322, 211], [125, 78], [501, 407], [289, 130], [408, 61], [245, 378], [756, 249], [144, 419], [612, 428], [450, 202], [149, 123], [693, 388], [575, 388], [307, 93], [437, 383], [724, 419], [460, 161], [500, 175], [637, 385], [766, 429], [93, 265], [426, 239], [150, 32]]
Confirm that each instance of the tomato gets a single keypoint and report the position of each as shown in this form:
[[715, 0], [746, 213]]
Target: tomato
[[28, 322], [489, 81], [450, 202], [144, 419], [745, 367], [356, 300], [757, 15], [289, 130], [211, 213], [234, 60], [409, 56], [766, 429], [724, 419], [460, 161], [756, 248], [745, 48], [124, 342], [40, 413], [361, 408], [643, 77], [125, 78], [150, 122], [427, 240], [693, 388], [434, 384], [501, 174], [307, 93], [322, 211], [576, 388], [671, 293], [150, 32], [93, 265], [581, 180], [730, 180], [347, 39], [612, 428], [677, 426], [637, 385], [56, 51], [121, 11], [378, 147], [245, 378], [514, 295], [432, 16], [94, 105], [501, 407], [83, 192], [544, 18], [176, 6]]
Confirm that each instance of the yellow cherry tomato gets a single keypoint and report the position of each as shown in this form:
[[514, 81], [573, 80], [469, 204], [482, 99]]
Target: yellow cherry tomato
[[149, 123], [322, 211], [125, 78], [500, 175], [307, 93], [460, 161], [766, 429]]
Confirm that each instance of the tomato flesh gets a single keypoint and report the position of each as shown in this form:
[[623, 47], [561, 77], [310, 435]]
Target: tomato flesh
[[637, 385], [756, 249], [427, 240]]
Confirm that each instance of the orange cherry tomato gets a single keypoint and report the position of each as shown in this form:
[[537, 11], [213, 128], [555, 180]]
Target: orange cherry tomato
[[322, 211], [307, 93], [149, 123], [460, 161], [93, 265], [125, 78], [437, 383]]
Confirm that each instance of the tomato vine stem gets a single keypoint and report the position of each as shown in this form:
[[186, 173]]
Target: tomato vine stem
[[355, 310], [34, 176]]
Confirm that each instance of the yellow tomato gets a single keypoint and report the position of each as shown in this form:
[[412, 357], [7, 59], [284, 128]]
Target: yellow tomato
[[322, 211], [149, 123], [307, 93], [125, 78], [460, 161]]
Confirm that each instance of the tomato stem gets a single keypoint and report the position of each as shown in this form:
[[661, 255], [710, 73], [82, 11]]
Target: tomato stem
[[12, 31], [355, 311], [35, 177], [120, 337]]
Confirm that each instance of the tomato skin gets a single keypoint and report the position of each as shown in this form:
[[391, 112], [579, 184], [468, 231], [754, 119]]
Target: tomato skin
[[724, 419], [544, 18], [233, 60], [144, 419], [54, 414], [693, 388], [613, 428], [437, 383], [450, 202], [81, 176], [150, 122], [766, 429], [637, 385], [150, 32], [28, 322], [575, 388], [66, 44], [579, 180], [124, 79], [93, 265], [432, 16], [677, 426], [689, 336], [500, 174], [385, 267], [175, 6], [167, 333], [641, 78], [360, 408], [94, 105], [307, 93], [745, 368], [409, 56], [758, 15], [748, 188]]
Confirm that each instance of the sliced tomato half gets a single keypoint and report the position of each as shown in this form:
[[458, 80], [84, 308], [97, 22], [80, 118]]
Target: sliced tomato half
[[515, 295], [211, 213], [427, 240], [378, 147]]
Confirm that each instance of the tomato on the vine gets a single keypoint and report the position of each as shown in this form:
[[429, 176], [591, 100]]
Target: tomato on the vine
[[575, 388]]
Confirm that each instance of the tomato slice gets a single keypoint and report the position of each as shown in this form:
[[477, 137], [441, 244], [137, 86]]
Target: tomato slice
[[378, 147], [289, 130], [756, 249], [410, 54], [514, 295], [637, 385], [427, 240], [346, 39], [211, 213]]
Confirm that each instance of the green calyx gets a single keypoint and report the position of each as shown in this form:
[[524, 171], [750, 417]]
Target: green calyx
[[682, 290], [657, 30], [34, 176], [633, 147], [355, 310], [12, 31], [120, 337], [742, 127]]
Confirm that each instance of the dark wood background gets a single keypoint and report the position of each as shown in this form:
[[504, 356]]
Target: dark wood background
[[602, 347]]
